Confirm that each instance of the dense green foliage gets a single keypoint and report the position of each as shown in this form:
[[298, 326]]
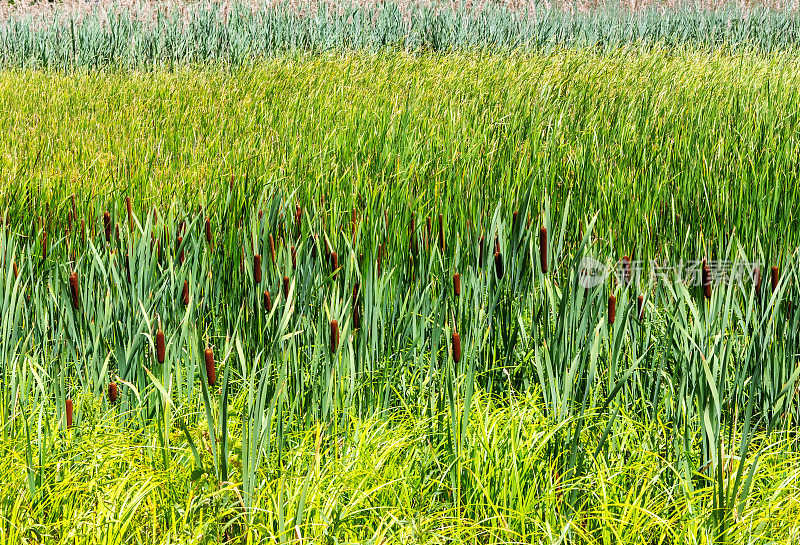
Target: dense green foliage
[[238, 34], [516, 408]]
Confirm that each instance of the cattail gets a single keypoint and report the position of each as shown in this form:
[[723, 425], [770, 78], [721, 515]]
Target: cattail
[[74, 290], [294, 258], [356, 290], [774, 277], [181, 227], [260, 215], [640, 307], [498, 265], [480, 252], [441, 233], [456, 342], [83, 230], [128, 267], [757, 281], [113, 392], [69, 413], [788, 310], [298, 213], [334, 263], [44, 244], [116, 227], [543, 249], [612, 308], [356, 315], [706, 281], [257, 268], [267, 301], [427, 232], [626, 270], [211, 370], [16, 271], [160, 346], [185, 293], [182, 256], [208, 231], [272, 248], [457, 285], [327, 250], [334, 336], [130, 211], [285, 287], [107, 225]]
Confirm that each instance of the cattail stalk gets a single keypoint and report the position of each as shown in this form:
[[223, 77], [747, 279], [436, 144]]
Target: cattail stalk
[[543, 249], [161, 348], [334, 336], [211, 370], [455, 341], [257, 268]]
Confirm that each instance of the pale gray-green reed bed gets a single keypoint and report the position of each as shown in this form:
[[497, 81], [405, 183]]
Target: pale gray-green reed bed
[[339, 299]]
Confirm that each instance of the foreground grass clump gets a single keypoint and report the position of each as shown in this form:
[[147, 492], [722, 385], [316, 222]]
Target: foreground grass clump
[[385, 479], [659, 143]]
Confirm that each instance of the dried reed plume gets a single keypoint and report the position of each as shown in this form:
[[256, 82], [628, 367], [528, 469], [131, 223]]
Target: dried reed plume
[[69, 413], [113, 392], [612, 309], [211, 370], [267, 301], [74, 290], [257, 268], [185, 293], [161, 348], [457, 285], [774, 277], [334, 336], [456, 343], [107, 225], [543, 249]]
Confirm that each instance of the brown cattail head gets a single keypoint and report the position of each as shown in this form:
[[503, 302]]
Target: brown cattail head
[[161, 348], [44, 244], [185, 293], [757, 279], [788, 310], [456, 343], [457, 285], [774, 277], [706, 281], [640, 307], [69, 412], [107, 225], [257, 268], [356, 315], [267, 301], [612, 308], [116, 228], [327, 249], [498, 265], [182, 256], [16, 271], [441, 233], [272, 248], [298, 214], [285, 287], [334, 263], [334, 336], [74, 290], [543, 249], [294, 258], [208, 232], [113, 392], [626, 270], [130, 211], [260, 214], [211, 369], [480, 252]]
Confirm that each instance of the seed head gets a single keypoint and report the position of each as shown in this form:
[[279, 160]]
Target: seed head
[[272, 248], [107, 225], [285, 287], [757, 279], [16, 271], [612, 308], [774, 277], [69, 413], [208, 232], [640, 307], [113, 392], [457, 285], [267, 301], [161, 348], [257, 268], [334, 263], [185, 293], [74, 290], [334, 336], [130, 211], [211, 370], [498, 265], [706, 281], [181, 257], [294, 258], [455, 341], [543, 249]]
